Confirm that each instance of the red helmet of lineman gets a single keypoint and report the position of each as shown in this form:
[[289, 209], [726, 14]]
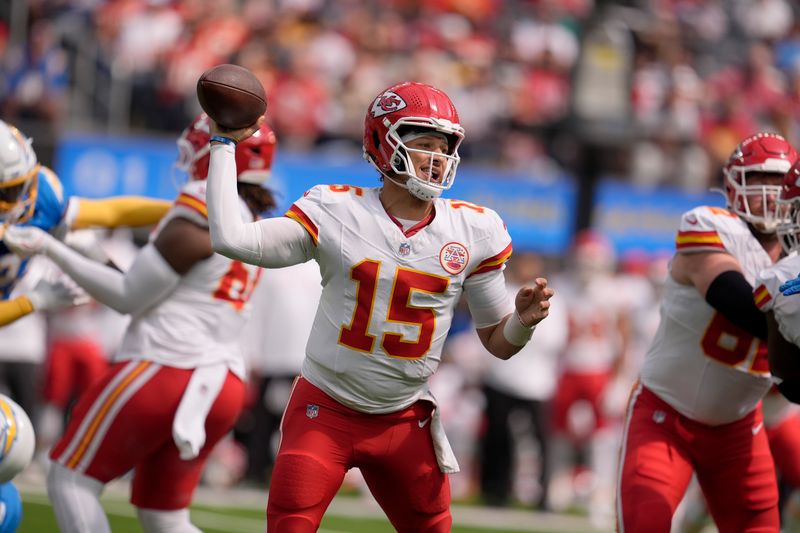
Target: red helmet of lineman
[[789, 205], [253, 155], [405, 112], [762, 153]]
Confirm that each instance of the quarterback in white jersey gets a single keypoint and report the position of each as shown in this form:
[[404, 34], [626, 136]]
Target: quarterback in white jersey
[[394, 261], [697, 406], [176, 386]]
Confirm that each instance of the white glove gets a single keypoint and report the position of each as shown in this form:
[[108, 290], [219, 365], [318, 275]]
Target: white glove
[[56, 295], [26, 240]]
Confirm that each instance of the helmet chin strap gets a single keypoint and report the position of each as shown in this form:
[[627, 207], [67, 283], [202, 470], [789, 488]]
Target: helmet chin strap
[[416, 188]]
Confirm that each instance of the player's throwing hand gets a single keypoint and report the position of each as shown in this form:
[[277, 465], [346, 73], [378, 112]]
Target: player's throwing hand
[[533, 303], [235, 135]]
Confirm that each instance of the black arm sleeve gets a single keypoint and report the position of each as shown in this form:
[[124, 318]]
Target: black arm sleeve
[[732, 296]]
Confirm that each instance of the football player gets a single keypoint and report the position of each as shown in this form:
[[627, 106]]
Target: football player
[[176, 386], [697, 405], [394, 262], [31, 195]]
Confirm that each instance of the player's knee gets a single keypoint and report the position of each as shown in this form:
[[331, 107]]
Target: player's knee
[[154, 521], [290, 524], [431, 494], [291, 490], [62, 480], [646, 517]]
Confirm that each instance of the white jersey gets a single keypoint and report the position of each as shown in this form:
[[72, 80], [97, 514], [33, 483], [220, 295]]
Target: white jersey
[[201, 321], [594, 310], [388, 295], [768, 296], [703, 365]]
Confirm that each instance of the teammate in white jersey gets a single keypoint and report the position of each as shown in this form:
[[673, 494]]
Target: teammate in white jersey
[[176, 386], [394, 261], [696, 408]]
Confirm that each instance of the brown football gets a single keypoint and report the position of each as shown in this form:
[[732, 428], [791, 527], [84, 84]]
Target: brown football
[[231, 95]]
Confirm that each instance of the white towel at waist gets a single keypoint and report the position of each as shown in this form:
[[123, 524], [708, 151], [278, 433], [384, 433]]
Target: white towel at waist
[[448, 463], [188, 427]]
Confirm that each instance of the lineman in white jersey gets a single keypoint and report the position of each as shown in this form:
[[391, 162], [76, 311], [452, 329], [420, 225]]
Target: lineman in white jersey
[[696, 408], [394, 261], [176, 386]]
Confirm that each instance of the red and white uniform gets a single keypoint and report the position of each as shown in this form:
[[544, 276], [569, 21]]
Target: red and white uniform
[[782, 418], [594, 344], [201, 321], [697, 406], [386, 307], [126, 420], [388, 295]]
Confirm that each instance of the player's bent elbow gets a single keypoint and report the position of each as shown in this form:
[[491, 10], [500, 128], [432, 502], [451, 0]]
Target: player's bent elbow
[[222, 246]]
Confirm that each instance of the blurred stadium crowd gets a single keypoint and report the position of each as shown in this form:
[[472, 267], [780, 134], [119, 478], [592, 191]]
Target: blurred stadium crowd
[[704, 74]]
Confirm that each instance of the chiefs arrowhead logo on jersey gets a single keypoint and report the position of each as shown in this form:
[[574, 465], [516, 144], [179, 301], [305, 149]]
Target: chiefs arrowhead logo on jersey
[[454, 257], [387, 103]]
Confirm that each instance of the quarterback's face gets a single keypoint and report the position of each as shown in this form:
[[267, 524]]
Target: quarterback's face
[[426, 155]]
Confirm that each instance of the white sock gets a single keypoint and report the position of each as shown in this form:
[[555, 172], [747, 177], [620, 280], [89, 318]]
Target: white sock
[[166, 521], [76, 501]]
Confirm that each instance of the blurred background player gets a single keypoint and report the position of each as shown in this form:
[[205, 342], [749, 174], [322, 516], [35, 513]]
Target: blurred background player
[[586, 420], [697, 406], [517, 402], [394, 262], [176, 386]]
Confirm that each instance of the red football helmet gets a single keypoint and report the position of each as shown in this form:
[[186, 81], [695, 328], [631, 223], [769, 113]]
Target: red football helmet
[[789, 206], [763, 152], [593, 254], [253, 155], [405, 111]]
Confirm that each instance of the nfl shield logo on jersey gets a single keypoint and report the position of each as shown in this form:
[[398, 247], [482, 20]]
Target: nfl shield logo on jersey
[[312, 411], [454, 257], [404, 249]]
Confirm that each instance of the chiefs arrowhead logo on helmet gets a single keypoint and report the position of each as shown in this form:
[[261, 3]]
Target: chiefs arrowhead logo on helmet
[[387, 103]]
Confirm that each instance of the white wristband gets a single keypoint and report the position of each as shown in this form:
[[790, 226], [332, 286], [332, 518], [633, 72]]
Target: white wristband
[[515, 332]]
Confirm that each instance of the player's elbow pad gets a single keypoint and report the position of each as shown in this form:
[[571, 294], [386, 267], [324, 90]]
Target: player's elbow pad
[[790, 390], [732, 296]]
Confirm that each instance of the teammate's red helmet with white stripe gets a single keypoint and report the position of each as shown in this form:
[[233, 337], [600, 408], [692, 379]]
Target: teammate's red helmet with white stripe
[[408, 109], [253, 155], [789, 207], [762, 152]]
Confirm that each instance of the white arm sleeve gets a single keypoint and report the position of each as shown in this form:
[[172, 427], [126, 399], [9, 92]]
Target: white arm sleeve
[[148, 281], [488, 299], [273, 242]]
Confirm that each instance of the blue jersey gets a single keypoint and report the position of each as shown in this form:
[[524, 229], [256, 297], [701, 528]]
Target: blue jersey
[[48, 212]]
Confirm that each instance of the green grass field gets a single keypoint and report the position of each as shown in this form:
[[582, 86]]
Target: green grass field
[[38, 518]]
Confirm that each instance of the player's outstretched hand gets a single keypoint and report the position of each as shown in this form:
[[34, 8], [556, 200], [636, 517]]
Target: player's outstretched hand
[[791, 287], [26, 240], [56, 295], [237, 135], [533, 302]]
